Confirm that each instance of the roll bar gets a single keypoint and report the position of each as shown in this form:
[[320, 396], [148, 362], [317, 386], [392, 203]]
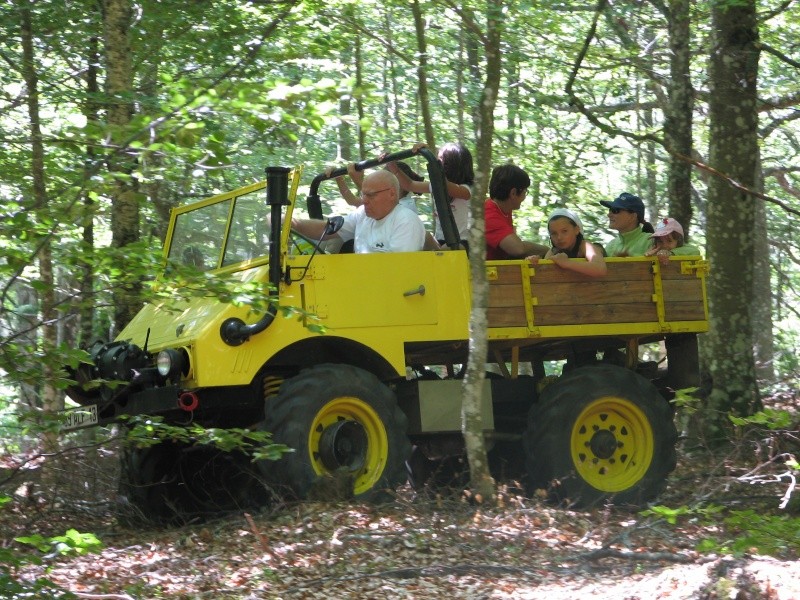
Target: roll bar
[[435, 176]]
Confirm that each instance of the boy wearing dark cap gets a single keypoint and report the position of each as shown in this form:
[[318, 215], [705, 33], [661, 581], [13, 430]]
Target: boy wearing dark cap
[[626, 215]]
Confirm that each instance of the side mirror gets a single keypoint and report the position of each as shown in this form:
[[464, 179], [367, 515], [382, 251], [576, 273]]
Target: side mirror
[[334, 225]]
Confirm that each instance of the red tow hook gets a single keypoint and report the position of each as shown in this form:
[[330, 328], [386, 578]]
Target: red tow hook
[[188, 401]]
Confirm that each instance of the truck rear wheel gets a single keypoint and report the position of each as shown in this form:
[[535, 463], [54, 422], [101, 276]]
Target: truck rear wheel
[[174, 483], [601, 433], [344, 425]]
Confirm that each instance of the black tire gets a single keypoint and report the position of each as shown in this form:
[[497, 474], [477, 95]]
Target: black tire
[[174, 483], [340, 420], [600, 434]]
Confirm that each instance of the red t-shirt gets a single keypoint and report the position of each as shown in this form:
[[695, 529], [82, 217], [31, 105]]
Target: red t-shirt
[[499, 225]]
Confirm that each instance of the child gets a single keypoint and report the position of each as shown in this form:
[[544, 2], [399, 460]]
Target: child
[[668, 241], [456, 162], [566, 235], [508, 187]]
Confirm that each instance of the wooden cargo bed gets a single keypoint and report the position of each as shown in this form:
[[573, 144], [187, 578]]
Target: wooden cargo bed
[[638, 296]]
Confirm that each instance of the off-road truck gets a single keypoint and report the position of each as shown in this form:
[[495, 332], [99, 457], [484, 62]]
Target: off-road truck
[[378, 390]]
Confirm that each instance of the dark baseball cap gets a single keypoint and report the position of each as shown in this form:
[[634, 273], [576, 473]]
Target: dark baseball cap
[[626, 201]]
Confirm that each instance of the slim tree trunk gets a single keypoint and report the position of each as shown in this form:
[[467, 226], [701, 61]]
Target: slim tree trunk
[[472, 423], [733, 150], [86, 283], [422, 75], [763, 340], [51, 399], [124, 202], [362, 136], [678, 115]]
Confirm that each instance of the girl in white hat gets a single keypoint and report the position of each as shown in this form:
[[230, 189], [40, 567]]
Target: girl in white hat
[[566, 235]]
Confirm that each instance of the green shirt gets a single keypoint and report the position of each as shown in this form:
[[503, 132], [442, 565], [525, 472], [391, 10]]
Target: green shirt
[[686, 250], [632, 243]]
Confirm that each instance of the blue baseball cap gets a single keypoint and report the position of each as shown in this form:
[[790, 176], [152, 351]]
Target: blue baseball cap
[[626, 201]]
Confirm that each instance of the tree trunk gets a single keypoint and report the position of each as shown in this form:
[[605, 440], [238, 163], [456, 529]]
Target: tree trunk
[[461, 104], [362, 136], [51, 399], [472, 424], [124, 201], [763, 339], [733, 150], [422, 75], [86, 283], [678, 115]]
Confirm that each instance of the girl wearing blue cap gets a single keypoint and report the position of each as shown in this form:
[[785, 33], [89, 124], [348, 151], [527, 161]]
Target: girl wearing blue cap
[[566, 235]]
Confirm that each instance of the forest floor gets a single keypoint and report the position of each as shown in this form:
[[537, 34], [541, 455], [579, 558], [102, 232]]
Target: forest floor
[[436, 545]]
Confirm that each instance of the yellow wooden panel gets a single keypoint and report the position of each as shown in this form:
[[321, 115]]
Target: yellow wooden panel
[[549, 272], [685, 290], [507, 274], [684, 311], [507, 317], [594, 314], [506, 295], [597, 291]]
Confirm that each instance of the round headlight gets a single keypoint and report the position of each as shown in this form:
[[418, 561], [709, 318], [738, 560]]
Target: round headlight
[[170, 364], [164, 362]]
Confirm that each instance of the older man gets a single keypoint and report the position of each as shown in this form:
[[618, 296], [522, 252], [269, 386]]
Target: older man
[[380, 224]]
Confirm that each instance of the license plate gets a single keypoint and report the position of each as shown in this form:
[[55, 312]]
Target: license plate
[[82, 416]]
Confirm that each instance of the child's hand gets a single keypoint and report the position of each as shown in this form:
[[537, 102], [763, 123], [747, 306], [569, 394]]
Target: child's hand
[[533, 259], [559, 258]]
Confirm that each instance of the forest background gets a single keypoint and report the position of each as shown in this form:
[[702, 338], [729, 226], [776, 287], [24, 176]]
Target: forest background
[[113, 112]]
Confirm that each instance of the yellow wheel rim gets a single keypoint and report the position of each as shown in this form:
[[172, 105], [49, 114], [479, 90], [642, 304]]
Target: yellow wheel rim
[[612, 444], [348, 434]]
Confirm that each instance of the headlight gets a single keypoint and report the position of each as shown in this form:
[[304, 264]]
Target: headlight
[[170, 364]]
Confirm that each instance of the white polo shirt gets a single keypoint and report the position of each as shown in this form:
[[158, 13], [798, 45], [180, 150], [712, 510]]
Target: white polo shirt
[[399, 231]]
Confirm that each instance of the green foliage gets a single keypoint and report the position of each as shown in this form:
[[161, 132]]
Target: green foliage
[[686, 400], [672, 515], [11, 589], [757, 533], [147, 431], [72, 542], [770, 418], [754, 532], [10, 560]]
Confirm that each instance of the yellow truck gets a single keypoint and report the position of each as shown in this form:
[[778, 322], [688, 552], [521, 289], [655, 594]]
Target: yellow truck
[[357, 361]]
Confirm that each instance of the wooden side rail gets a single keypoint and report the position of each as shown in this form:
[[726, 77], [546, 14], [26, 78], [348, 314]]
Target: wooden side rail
[[635, 291]]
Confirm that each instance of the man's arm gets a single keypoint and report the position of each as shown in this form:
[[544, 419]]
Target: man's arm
[[311, 228], [514, 246]]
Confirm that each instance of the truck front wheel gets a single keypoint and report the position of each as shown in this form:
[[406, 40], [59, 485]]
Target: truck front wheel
[[601, 433], [176, 483], [346, 431]]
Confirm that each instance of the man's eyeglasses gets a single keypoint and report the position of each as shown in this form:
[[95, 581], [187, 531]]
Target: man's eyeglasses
[[371, 195]]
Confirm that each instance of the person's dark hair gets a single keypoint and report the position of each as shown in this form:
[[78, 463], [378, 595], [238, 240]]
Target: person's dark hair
[[506, 178], [646, 226], [456, 162]]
